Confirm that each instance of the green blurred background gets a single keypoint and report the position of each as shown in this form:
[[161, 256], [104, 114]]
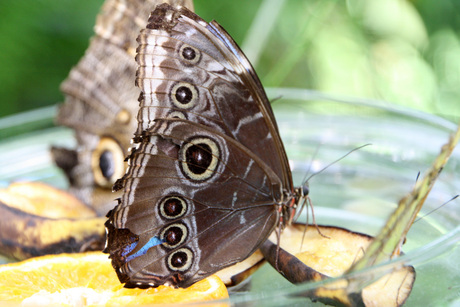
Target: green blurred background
[[404, 52]]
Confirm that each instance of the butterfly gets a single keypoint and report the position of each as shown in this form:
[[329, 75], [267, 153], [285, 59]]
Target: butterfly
[[208, 178]]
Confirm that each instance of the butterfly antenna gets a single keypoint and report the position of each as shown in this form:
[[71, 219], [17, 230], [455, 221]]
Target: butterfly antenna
[[334, 162], [277, 98], [305, 190], [452, 199], [315, 154]]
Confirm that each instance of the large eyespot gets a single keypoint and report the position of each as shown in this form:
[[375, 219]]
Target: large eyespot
[[189, 54], [174, 235], [199, 158], [180, 260], [184, 95], [107, 162], [173, 207]]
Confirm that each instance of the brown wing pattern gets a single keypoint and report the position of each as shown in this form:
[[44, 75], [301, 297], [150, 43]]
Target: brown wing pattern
[[208, 172]]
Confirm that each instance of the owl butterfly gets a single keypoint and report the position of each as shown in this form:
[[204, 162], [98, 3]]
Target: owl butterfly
[[101, 102], [208, 177]]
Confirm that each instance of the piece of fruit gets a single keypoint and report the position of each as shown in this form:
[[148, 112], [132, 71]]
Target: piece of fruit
[[44, 200], [37, 219], [88, 279], [318, 253]]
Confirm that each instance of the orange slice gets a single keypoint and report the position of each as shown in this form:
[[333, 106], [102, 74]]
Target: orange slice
[[87, 279]]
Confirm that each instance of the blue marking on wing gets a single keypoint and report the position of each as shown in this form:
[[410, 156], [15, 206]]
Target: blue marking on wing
[[128, 249], [154, 241]]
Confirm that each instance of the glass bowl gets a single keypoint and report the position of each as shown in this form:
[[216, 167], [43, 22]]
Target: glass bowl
[[358, 192]]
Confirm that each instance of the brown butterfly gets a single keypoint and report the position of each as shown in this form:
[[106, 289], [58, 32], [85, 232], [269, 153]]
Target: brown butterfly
[[208, 177]]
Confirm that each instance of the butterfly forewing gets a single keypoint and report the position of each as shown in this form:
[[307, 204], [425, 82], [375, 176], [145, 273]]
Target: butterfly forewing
[[206, 179], [225, 95]]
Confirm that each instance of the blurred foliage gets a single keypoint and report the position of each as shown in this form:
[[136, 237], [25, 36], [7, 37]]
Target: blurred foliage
[[404, 52], [41, 40]]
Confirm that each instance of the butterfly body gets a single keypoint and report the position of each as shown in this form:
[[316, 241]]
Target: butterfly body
[[208, 179]]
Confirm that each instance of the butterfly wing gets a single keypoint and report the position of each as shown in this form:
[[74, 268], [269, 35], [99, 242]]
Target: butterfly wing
[[180, 53], [209, 171]]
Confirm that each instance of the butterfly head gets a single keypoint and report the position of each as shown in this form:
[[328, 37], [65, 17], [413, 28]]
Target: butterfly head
[[298, 202]]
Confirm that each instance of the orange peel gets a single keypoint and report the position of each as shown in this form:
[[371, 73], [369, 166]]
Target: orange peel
[[89, 279]]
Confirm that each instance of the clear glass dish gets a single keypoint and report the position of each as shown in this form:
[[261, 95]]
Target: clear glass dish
[[358, 192]]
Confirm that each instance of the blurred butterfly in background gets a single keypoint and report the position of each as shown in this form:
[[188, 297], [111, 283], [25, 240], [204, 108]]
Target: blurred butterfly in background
[[101, 103]]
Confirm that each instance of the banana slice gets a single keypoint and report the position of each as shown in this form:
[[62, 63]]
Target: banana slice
[[37, 219], [322, 252]]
